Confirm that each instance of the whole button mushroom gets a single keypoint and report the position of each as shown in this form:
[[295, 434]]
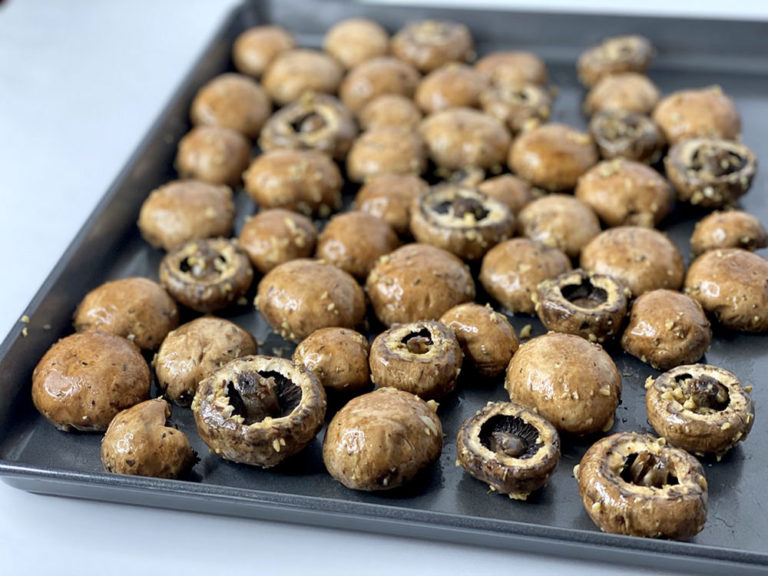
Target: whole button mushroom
[[298, 71], [390, 197], [232, 101], [338, 357], [84, 380], [513, 68], [701, 113], [621, 134], [513, 191], [386, 151], [390, 111], [376, 77], [301, 296], [732, 229], [430, 44], [629, 91], [275, 236], [666, 329], [451, 86], [356, 40], [573, 383], [256, 48], [614, 55], [381, 440], [213, 154], [139, 442]]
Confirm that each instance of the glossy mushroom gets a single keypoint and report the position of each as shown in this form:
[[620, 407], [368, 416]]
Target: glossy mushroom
[[298, 71], [429, 44], [232, 101], [732, 229], [256, 48], [338, 357], [614, 55], [621, 134], [275, 236], [213, 154], [698, 113]]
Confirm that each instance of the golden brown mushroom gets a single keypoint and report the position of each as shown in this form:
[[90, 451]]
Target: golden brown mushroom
[[732, 229], [338, 357], [297, 71]]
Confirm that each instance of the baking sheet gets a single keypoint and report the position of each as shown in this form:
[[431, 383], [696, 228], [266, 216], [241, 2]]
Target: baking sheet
[[444, 503]]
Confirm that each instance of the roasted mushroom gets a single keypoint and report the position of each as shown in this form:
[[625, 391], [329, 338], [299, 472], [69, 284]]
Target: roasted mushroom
[[520, 107], [390, 197], [134, 308], [570, 381], [487, 338], [552, 156], [184, 210], [461, 220], [390, 111], [613, 56], [703, 113], [376, 77], [84, 380], [423, 358], [356, 40], [710, 173], [592, 306], [213, 154], [193, 351], [637, 485], [381, 440], [511, 271], [700, 408], [513, 191], [621, 134], [731, 285], [232, 101], [430, 44], [643, 259], [306, 181], [301, 296], [386, 151], [559, 221], [418, 282], [276, 236], [513, 68], [732, 229], [451, 86], [354, 241], [206, 275], [256, 48], [140, 442], [509, 447], [629, 91], [623, 192], [259, 410], [338, 357], [298, 71]]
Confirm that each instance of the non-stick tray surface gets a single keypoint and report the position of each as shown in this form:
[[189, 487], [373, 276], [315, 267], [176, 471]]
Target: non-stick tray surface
[[445, 503]]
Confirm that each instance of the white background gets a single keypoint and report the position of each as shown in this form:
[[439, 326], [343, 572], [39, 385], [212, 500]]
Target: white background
[[80, 83]]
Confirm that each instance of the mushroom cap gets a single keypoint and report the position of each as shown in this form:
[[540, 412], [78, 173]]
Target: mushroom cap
[[622, 134], [338, 357], [731, 229], [559, 221], [627, 91], [513, 191], [376, 77], [614, 55], [275, 235], [356, 40], [453, 85], [430, 44], [514, 67], [386, 151], [390, 111], [232, 101], [256, 48], [390, 197], [698, 113], [213, 154], [297, 71]]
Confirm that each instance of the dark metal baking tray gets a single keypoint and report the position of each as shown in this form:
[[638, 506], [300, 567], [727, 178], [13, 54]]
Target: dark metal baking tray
[[444, 503]]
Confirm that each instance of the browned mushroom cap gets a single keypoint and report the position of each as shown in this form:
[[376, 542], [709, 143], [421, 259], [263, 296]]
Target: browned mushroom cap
[[638, 485], [702, 113], [461, 220], [710, 173], [733, 229], [429, 44], [206, 275], [139, 442], [301, 296], [553, 156], [487, 338], [513, 68], [313, 122], [464, 138], [666, 329], [306, 181], [83, 380], [390, 111], [613, 56], [559, 221], [256, 48], [185, 210], [386, 151], [512, 270], [700, 408], [643, 259], [193, 351], [453, 85], [354, 241], [294, 72], [520, 107], [376, 77], [570, 381], [276, 236], [630, 92], [134, 308], [592, 306], [510, 448], [337, 357], [620, 134], [623, 192], [730, 285], [390, 197], [213, 154], [259, 410], [470, 176], [356, 40], [232, 101], [382, 439], [513, 191], [418, 282]]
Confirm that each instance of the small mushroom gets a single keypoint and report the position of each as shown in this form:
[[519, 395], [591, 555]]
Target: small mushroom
[[298, 71], [376, 77], [206, 275], [513, 68], [592, 306], [390, 197], [390, 111], [232, 101], [613, 56], [381, 440], [732, 229], [356, 40], [637, 485], [509, 447], [386, 151], [620, 134], [338, 357], [140, 442], [700, 408], [519, 106], [259, 410], [702, 113], [256, 48], [513, 191], [213, 154], [423, 358], [630, 92], [275, 236], [430, 44], [453, 85], [710, 173]]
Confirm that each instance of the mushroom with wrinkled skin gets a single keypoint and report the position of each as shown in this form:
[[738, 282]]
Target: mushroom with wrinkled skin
[[232, 101], [520, 107], [732, 229], [430, 44], [390, 111], [213, 154], [386, 151], [376, 77], [629, 91], [513, 191], [356, 40], [298, 71], [620, 134], [256, 48], [614, 55], [338, 357], [702, 113], [453, 85], [390, 197], [275, 236], [513, 68], [509, 447], [559, 221]]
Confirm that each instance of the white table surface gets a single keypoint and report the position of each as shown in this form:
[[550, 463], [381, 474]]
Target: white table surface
[[80, 83]]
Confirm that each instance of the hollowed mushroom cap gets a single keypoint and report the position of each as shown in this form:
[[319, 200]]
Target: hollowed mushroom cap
[[429, 44], [702, 113], [621, 134], [732, 229], [613, 56], [519, 106]]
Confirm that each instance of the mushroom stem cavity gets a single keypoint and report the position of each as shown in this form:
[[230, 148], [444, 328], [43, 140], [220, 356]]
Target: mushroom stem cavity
[[308, 123], [646, 469], [585, 294], [418, 342], [510, 436], [204, 264], [258, 395], [716, 162], [703, 394], [463, 208]]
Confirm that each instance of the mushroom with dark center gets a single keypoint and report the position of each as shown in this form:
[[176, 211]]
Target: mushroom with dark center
[[510, 435], [204, 265], [646, 469], [256, 396], [585, 294], [418, 342], [623, 134], [310, 122], [703, 394], [716, 162]]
